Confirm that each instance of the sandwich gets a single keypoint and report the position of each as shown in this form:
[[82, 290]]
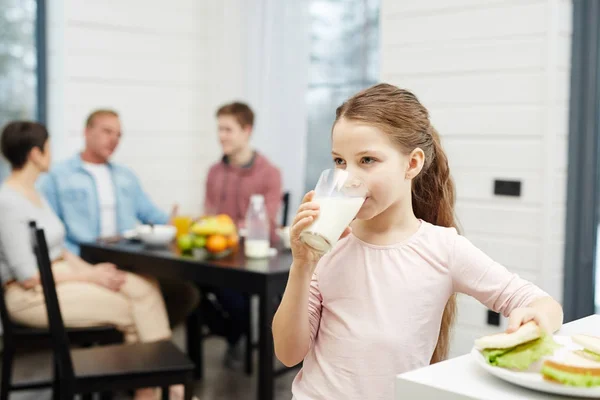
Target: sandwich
[[572, 369], [518, 350], [590, 344]]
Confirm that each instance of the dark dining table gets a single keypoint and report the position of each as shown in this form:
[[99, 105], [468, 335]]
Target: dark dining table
[[263, 277]]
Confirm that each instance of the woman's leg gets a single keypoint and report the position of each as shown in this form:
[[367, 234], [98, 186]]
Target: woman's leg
[[147, 307], [149, 313], [81, 304]]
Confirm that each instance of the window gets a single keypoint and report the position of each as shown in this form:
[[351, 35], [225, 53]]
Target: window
[[22, 52], [344, 58]]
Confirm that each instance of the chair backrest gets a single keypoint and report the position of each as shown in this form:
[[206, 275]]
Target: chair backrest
[[8, 327], [60, 340], [7, 324], [286, 206]]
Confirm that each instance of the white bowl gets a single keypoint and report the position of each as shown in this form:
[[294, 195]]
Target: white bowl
[[157, 235]]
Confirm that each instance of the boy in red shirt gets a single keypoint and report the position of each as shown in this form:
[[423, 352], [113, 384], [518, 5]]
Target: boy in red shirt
[[242, 170], [241, 173]]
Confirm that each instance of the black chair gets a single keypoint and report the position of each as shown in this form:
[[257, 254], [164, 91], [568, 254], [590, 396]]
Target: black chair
[[107, 368], [17, 337]]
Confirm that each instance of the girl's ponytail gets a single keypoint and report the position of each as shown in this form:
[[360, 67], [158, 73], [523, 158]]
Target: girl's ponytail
[[433, 201]]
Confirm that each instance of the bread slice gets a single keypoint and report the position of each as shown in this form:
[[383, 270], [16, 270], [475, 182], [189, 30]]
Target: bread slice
[[574, 359], [527, 332], [572, 370], [590, 343], [588, 354]]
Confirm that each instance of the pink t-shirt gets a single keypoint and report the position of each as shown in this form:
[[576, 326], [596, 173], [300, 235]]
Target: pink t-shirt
[[375, 311]]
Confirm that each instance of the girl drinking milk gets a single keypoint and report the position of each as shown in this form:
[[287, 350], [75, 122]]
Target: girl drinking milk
[[383, 300]]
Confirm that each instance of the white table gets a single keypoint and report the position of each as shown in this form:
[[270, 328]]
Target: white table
[[461, 379]]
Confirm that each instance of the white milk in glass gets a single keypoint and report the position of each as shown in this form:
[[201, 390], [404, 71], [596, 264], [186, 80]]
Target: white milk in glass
[[335, 214]]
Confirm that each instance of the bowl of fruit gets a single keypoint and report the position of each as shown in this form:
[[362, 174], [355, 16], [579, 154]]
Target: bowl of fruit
[[210, 237]]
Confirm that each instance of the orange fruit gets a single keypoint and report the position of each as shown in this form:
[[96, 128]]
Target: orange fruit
[[224, 219], [224, 225], [216, 243], [232, 241]]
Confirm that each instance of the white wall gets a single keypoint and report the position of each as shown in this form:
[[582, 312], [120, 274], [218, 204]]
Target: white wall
[[164, 66], [495, 76]]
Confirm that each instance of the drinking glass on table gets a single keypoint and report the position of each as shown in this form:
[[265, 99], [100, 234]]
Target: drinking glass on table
[[340, 196], [182, 223]]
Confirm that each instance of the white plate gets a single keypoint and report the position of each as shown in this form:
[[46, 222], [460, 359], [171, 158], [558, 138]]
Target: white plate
[[534, 380]]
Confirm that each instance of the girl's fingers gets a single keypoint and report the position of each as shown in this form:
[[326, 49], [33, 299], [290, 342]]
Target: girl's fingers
[[304, 214], [308, 196], [514, 323], [516, 319], [300, 226], [542, 323], [522, 316], [311, 205]]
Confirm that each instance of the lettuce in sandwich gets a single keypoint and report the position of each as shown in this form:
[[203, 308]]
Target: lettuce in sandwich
[[572, 370], [590, 344], [517, 350]]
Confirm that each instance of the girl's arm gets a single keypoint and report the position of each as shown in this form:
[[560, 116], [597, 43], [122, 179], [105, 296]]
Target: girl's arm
[[292, 325], [297, 320], [476, 274]]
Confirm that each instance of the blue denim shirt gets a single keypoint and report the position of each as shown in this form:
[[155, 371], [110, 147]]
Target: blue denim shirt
[[71, 191]]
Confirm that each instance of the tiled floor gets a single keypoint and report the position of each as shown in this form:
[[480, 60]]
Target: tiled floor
[[218, 384]]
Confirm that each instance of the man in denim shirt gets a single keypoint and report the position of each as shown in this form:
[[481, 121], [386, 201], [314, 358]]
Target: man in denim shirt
[[97, 198]]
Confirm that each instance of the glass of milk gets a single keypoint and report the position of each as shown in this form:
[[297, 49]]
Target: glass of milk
[[340, 196]]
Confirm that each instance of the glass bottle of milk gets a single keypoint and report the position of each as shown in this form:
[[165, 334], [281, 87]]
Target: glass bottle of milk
[[256, 243]]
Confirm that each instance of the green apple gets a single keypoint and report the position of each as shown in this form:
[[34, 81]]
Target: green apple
[[185, 242], [199, 242]]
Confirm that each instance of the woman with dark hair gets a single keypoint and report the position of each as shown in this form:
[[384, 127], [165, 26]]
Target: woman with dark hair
[[89, 295]]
